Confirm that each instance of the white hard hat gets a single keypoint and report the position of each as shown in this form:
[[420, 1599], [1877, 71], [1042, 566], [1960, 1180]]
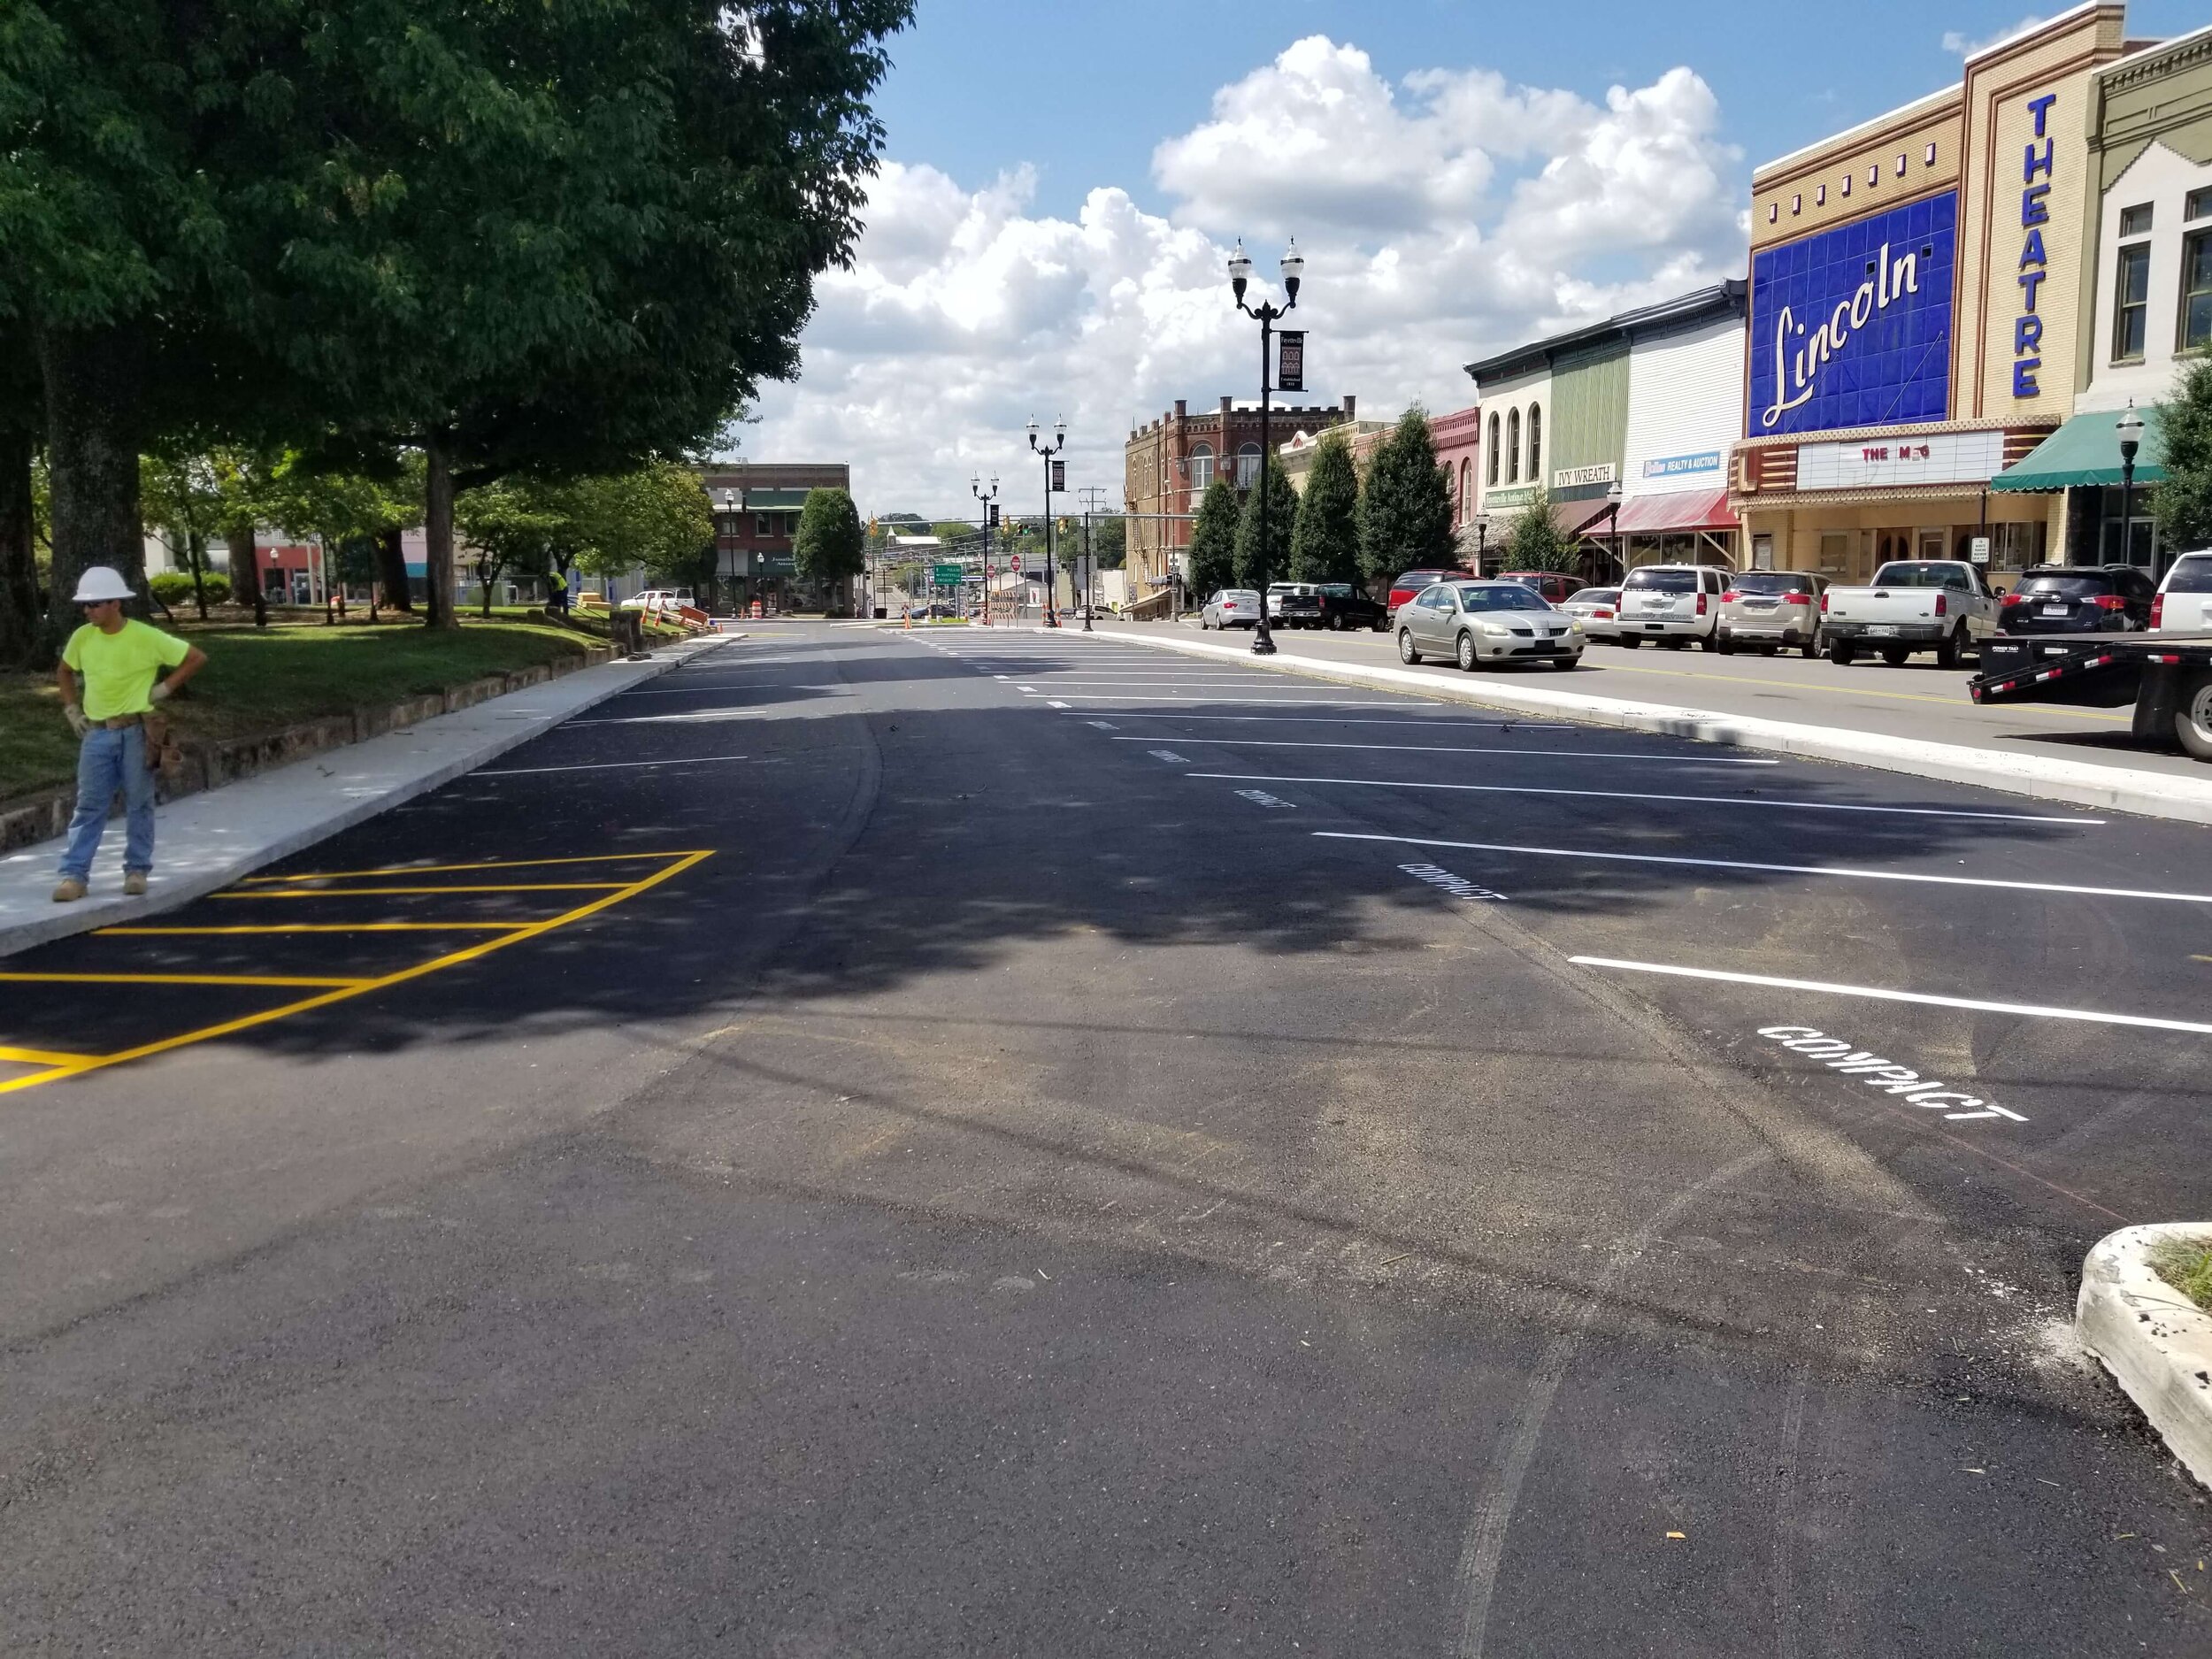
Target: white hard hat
[[99, 583]]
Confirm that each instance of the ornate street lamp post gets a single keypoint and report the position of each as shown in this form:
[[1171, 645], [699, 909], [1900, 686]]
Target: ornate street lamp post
[[1047, 451], [1240, 273], [975, 488], [2131, 429], [1613, 525]]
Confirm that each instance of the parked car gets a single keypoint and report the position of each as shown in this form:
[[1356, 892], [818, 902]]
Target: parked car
[[1598, 610], [1479, 624], [1672, 604], [1345, 606], [2183, 603], [1407, 584], [1277, 592], [1231, 608], [1940, 605], [2077, 599], [1552, 584], [658, 599], [1770, 610]]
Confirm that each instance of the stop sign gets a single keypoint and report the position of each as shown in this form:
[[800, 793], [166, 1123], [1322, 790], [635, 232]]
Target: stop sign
[[1018, 561]]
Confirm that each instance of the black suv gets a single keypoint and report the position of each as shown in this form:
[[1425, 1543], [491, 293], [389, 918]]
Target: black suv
[[2079, 599], [1335, 606]]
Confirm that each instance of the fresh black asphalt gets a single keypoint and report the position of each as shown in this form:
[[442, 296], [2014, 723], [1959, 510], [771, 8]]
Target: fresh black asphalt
[[1083, 1167]]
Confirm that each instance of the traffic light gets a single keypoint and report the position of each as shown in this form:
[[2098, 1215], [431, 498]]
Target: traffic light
[[995, 515]]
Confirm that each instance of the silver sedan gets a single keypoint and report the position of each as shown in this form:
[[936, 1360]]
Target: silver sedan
[[1597, 608], [1481, 625]]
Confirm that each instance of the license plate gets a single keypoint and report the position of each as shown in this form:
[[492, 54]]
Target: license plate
[[1759, 605], [1881, 631], [2057, 611]]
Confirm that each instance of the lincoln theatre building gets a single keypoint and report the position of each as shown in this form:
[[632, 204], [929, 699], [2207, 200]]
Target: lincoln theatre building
[[1915, 288]]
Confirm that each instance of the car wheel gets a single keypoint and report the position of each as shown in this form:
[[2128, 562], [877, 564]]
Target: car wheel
[[1381, 625], [1842, 652], [1564, 662], [1465, 652], [1947, 652], [2193, 717], [1675, 642], [1406, 652], [1896, 655], [1629, 641], [1336, 623], [1810, 649], [1722, 643]]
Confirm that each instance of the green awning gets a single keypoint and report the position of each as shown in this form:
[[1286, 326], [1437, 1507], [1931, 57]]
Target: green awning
[[2086, 451], [774, 500]]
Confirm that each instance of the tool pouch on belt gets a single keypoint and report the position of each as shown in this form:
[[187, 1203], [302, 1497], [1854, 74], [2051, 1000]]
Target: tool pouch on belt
[[161, 751]]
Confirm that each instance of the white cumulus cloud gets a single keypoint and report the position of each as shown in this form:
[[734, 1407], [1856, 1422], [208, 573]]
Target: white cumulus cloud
[[1442, 218], [1968, 46]]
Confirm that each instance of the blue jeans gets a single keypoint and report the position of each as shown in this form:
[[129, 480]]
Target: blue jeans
[[109, 761]]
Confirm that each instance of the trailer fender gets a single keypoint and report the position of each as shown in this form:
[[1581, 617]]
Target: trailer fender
[[2156, 702]]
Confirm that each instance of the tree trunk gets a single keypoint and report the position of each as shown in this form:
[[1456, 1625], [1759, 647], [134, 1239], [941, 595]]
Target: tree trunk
[[19, 563], [243, 548], [437, 528], [93, 382], [196, 556], [391, 571]]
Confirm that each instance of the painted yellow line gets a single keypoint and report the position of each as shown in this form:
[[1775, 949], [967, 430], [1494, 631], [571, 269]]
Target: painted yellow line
[[173, 978], [348, 893], [470, 953], [45, 1056], [311, 927], [1844, 691], [424, 870]]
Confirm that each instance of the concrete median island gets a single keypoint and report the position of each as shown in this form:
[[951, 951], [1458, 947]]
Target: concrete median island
[[2154, 1340]]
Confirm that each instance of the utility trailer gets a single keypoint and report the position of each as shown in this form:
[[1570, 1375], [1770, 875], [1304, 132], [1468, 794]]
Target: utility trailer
[[2168, 677]]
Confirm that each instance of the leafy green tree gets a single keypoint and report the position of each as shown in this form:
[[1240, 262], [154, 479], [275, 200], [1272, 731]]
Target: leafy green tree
[[1534, 541], [828, 549], [364, 511], [2183, 503], [1253, 571], [1405, 510], [1325, 546], [184, 506], [656, 516], [514, 525], [1110, 542], [1213, 541]]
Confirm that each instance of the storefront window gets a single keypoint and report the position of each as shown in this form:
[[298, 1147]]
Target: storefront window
[[2196, 291], [2131, 297]]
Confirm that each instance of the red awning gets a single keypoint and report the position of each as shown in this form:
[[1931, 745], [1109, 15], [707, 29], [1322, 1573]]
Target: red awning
[[1679, 513]]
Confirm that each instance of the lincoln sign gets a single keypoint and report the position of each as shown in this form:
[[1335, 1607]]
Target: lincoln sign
[[1852, 327]]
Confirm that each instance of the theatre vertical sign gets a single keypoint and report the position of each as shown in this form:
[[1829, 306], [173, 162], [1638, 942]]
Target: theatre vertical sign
[[2036, 175]]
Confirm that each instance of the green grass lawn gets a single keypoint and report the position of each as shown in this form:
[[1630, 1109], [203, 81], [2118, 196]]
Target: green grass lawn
[[2187, 1267], [258, 679]]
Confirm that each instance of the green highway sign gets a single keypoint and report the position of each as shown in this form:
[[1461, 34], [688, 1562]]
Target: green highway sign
[[945, 575]]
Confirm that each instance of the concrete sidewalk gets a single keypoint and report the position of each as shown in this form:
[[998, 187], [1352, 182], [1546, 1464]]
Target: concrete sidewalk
[[2166, 794], [205, 841]]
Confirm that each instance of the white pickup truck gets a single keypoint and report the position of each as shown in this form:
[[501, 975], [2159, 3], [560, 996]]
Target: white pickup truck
[[1940, 605]]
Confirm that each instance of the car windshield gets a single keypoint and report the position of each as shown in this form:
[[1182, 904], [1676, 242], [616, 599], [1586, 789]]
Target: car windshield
[[1904, 574], [1504, 596], [1417, 579], [1665, 582], [1596, 597], [1772, 582], [1335, 590], [2190, 575], [2078, 585]]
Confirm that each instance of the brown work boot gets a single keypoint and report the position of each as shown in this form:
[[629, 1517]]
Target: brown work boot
[[70, 891], [134, 884]]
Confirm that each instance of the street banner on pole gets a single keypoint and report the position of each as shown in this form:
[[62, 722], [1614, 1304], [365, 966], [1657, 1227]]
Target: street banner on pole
[[1059, 475], [1290, 375]]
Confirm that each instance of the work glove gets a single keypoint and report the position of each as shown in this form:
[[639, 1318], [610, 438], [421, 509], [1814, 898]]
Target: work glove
[[161, 692], [75, 715]]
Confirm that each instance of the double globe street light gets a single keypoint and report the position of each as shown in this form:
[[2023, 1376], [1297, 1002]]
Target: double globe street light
[[1048, 450], [1240, 275], [990, 505]]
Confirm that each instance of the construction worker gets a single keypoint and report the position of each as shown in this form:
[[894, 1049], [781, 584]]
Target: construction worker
[[557, 583], [111, 676]]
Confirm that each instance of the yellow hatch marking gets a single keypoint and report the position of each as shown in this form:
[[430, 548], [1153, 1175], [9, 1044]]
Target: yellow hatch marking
[[311, 927], [173, 978], [348, 893], [424, 870]]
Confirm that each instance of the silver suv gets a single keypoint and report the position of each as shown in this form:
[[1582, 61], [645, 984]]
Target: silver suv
[[1672, 604], [1772, 610]]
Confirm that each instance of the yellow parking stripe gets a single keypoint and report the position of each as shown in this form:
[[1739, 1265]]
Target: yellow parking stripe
[[312, 927], [496, 863], [45, 1056], [246, 1022], [348, 893], [171, 979]]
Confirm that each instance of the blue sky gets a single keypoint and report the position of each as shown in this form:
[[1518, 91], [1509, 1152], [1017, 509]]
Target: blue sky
[[1061, 184]]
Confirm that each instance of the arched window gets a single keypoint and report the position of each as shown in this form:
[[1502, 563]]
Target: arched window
[[1466, 490], [1201, 467], [1494, 452], [1513, 447], [1536, 442], [1248, 466]]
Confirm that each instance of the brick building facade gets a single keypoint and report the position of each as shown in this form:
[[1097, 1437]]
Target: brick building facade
[[1168, 462], [755, 506]]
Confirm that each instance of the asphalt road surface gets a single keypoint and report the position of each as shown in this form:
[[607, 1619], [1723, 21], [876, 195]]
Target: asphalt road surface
[[958, 1142], [1916, 699]]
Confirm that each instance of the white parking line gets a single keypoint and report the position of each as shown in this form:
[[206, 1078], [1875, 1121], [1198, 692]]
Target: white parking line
[[1790, 870], [1349, 719], [691, 691], [604, 765], [690, 717], [1460, 748], [1279, 702], [1629, 794], [2030, 1011]]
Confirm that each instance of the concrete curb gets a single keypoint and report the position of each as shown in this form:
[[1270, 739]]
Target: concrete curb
[[379, 774], [2077, 783], [2154, 1340]]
